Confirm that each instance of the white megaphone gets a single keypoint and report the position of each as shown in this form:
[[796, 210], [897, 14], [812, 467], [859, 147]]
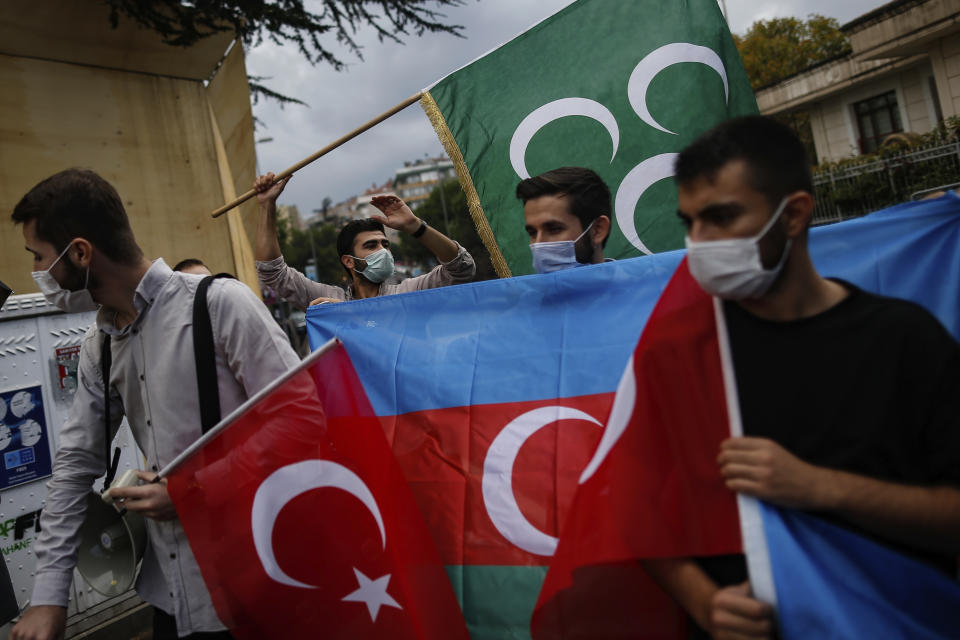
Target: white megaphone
[[111, 544]]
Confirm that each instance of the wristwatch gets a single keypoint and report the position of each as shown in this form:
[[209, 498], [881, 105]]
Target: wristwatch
[[422, 229]]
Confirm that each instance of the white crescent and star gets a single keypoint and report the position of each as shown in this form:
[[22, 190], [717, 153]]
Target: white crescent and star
[[562, 108], [285, 484], [497, 482]]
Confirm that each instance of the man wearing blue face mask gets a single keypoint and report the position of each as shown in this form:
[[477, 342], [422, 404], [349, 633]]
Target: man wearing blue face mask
[[566, 212], [849, 400], [364, 252]]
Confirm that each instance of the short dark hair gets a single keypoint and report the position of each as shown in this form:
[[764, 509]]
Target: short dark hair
[[776, 161], [188, 262], [349, 233], [588, 194], [78, 203]]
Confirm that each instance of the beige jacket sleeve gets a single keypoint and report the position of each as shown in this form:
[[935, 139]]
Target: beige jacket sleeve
[[457, 271], [295, 287]]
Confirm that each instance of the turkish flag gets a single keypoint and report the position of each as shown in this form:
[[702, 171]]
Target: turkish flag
[[653, 488], [302, 523]]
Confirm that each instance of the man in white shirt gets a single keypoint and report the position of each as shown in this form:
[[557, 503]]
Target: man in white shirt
[[85, 255]]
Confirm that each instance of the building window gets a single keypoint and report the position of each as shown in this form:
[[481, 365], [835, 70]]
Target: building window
[[877, 117]]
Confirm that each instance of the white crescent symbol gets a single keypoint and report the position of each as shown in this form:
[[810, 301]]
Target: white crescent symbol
[[658, 60], [285, 484], [555, 110], [619, 418], [634, 184], [497, 481]]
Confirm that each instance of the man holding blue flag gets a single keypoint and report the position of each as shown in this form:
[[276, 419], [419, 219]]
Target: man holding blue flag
[[566, 213], [849, 401]]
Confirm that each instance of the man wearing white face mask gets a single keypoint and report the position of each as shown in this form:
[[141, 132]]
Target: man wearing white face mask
[[364, 252], [85, 255], [849, 401], [566, 213]]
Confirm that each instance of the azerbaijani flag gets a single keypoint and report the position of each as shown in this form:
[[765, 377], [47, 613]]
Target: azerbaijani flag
[[619, 87], [494, 393]]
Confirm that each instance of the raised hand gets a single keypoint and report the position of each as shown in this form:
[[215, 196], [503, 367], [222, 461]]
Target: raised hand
[[396, 214], [266, 190]]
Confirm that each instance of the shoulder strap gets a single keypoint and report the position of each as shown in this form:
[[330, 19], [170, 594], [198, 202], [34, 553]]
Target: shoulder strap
[[106, 358], [204, 353]]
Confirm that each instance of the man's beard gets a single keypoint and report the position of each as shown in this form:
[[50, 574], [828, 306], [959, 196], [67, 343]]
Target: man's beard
[[76, 278]]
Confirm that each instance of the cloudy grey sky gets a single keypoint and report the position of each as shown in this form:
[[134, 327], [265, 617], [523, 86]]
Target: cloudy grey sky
[[341, 101]]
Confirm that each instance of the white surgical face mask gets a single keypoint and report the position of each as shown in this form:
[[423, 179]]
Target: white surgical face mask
[[732, 268], [69, 301], [556, 256], [379, 265]]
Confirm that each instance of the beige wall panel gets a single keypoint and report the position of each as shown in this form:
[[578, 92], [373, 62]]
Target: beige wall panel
[[941, 80], [951, 44], [229, 97], [918, 110], [952, 65], [150, 136]]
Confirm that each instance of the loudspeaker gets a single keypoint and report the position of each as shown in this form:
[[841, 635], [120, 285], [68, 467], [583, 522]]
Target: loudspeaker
[[111, 546]]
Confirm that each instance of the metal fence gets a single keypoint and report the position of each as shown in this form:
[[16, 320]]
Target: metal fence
[[855, 190]]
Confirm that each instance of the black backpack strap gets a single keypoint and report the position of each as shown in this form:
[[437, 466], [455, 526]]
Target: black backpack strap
[[204, 353], [106, 358]]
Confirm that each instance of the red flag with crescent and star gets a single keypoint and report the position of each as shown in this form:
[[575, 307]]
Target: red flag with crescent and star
[[302, 523], [653, 488]]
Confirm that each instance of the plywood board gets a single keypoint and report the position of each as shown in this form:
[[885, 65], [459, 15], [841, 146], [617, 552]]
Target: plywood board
[[229, 97], [79, 31], [149, 136]]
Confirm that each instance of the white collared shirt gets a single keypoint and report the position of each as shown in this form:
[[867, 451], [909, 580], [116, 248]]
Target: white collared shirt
[[153, 380]]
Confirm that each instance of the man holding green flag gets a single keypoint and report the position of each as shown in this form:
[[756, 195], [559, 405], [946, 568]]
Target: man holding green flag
[[619, 87], [566, 215]]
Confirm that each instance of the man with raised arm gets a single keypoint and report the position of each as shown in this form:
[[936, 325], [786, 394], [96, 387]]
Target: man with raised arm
[[364, 252]]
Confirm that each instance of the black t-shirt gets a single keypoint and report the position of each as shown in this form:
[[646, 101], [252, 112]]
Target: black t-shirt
[[870, 386]]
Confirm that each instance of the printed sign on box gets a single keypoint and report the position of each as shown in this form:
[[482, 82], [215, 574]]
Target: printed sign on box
[[24, 449]]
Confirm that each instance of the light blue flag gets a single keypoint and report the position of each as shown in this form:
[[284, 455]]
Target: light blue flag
[[831, 583], [571, 332]]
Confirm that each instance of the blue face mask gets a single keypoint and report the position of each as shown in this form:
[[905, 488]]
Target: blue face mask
[[379, 266], [556, 256]]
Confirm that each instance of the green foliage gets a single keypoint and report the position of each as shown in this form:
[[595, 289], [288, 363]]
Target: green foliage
[[775, 49], [182, 23], [461, 229], [861, 184], [297, 251], [286, 21]]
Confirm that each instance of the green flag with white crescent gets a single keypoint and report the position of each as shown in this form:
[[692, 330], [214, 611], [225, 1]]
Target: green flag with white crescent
[[618, 86]]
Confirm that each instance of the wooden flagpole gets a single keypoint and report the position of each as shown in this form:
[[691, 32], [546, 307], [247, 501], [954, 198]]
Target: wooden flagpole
[[322, 152]]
